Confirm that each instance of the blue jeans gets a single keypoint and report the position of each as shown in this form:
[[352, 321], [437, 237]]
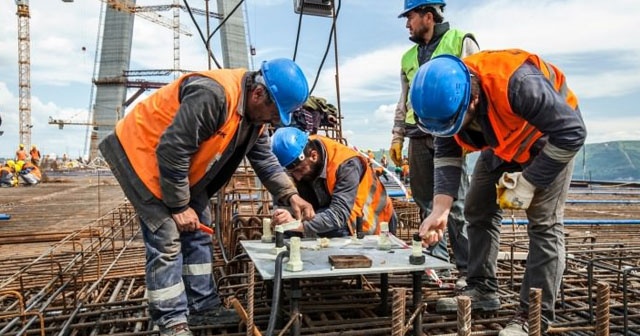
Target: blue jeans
[[421, 182], [178, 270]]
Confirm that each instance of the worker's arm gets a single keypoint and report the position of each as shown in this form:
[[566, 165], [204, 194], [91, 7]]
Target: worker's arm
[[398, 131], [202, 111], [447, 164], [342, 200], [401, 109], [533, 97]]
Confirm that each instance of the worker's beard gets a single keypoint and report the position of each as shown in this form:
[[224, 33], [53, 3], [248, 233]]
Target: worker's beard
[[418, 35], [314, 173]]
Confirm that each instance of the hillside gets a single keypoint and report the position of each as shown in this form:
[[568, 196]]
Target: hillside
[[607, 161]]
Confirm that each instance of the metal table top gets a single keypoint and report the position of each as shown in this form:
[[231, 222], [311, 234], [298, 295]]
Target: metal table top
[[316, 260]]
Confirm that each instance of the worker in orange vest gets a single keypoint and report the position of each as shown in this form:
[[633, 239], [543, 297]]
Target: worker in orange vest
[[7, 174], [340, 183], [174, 151], [405, 170], [35, 155], [30, 174], [518, 110], [21, 153]]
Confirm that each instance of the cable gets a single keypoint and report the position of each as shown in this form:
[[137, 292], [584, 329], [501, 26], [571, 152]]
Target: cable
[[205, 41], [222, 23], [295, 49], [326, 52]]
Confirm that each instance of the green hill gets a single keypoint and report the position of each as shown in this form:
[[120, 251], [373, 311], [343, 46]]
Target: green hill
[[609, 161]]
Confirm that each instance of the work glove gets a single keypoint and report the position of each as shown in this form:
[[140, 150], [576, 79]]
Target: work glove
[[514, 191], [395, 152]]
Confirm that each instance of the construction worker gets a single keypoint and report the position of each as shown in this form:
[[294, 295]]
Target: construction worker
[[384, 162], [177, 148], [432, 36], [518, 110], [337, 180], [405, 171], [21, 153], [7, 174], [370, 154], [30, 174], [35, 155]]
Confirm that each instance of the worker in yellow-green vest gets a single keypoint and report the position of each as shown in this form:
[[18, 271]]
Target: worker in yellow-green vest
[[432, 36]]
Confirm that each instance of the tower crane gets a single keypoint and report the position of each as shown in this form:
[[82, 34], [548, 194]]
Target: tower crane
[[24, 72], [129, 6]]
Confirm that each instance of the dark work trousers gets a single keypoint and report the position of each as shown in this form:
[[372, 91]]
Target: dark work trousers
[[421, 182], [178, 270], [546, 256]]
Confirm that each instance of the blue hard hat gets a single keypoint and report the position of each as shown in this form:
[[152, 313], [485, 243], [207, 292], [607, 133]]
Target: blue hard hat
[[288, 143], [440, 95], [286, 84], [410, 5]]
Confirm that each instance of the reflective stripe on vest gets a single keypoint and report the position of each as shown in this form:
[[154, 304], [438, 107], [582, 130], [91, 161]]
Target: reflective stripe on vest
[[371, 202], [140, 130], [451, 44], [515, 135]]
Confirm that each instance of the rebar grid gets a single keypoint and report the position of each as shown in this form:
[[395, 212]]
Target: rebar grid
[[97, 288]]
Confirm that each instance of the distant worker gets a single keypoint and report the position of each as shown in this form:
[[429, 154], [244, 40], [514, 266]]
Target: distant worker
[[35, 155], [432, 37], [7, 174], [21, 153], [337, 180], [384, 162], [30, 174], [313, 114], [519, 111], [406, 171], [175, 150], [370, 154]]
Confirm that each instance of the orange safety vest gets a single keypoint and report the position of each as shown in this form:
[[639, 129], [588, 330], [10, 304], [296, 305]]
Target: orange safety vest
[[405, 170], [515, 135], [35, 154], [21, 155], [34, 169], [371, 202], [140, 130]]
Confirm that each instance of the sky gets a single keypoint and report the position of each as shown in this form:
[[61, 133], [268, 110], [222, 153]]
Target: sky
[[593, 42]]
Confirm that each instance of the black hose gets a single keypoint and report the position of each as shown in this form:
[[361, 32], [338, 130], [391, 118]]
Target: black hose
[[277, 290]]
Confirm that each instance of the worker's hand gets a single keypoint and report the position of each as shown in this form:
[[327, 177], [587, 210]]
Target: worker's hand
[[186, 221], [282, 216], [302, 209], [514, 191], [395, 152], [432, 228]]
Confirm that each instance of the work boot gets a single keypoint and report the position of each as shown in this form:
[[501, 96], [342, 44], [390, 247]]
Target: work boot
[[480, 300], [181, 329], [517, 326], [215, 316], [461, 283]]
